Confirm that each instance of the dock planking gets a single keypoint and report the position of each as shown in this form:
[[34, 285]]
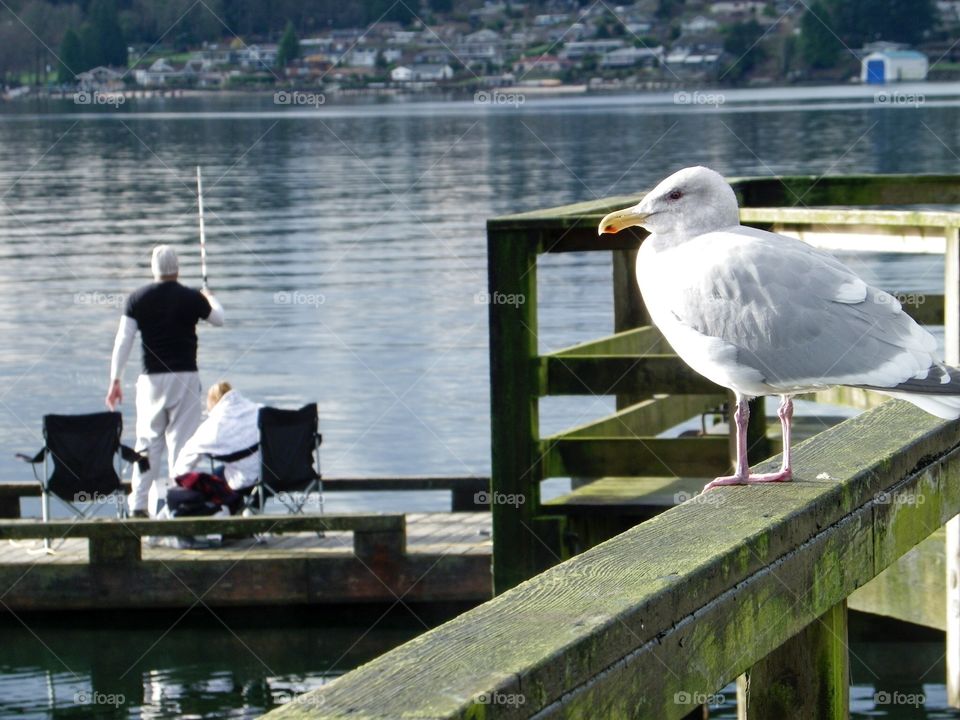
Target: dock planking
[[434, 558]]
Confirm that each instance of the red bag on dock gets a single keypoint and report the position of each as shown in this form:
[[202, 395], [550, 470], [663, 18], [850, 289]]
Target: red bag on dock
[[213, 488]]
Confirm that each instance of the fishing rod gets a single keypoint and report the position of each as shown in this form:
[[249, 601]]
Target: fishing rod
[[203, 236]]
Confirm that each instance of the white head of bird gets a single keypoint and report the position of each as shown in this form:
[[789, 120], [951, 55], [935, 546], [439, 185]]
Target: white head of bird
[[691, 202]]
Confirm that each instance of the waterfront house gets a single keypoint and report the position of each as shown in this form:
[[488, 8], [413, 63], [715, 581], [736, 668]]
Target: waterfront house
[[100, 78], [632, 57], [885, 66]]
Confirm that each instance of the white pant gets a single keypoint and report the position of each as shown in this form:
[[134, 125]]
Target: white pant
[[169, 410]]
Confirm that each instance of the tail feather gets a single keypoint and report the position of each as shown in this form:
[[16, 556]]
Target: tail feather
[[938, 393]]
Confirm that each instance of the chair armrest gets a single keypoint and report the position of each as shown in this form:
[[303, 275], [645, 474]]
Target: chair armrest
[[33, 459]]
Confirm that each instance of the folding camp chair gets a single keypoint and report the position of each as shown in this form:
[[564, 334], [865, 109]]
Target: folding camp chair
[[289, 458], [86, 453]]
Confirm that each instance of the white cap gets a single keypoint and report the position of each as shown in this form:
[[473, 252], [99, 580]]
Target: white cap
[[164, 261]]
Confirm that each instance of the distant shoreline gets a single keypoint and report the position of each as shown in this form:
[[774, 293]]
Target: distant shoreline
[[702, 96]]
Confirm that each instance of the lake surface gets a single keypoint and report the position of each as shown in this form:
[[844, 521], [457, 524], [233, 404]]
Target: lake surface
[[347, 245]]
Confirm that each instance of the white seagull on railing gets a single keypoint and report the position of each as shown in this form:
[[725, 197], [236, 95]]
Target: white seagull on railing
[[765, 314]]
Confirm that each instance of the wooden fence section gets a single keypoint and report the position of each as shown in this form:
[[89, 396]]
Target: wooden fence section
[[635, 364], [117, 573], [738, 582]]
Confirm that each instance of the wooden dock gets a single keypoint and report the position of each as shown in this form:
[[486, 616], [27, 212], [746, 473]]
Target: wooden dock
[[430, 558], [750, 585]]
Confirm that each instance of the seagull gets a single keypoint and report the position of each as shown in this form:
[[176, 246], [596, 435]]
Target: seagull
[[764, 314]]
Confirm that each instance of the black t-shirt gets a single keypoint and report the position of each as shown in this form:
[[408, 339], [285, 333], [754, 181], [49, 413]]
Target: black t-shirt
[[167, 314]]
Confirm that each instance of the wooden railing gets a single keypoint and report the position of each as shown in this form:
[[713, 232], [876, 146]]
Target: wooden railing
[[635, 364], [467, 494], [745, 583], [113, 541]]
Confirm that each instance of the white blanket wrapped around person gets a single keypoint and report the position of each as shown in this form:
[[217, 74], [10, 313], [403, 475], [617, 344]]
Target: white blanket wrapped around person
[[230, 432]]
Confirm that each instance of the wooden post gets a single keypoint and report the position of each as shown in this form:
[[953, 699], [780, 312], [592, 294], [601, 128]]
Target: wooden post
[[9, 506], [389, 544], [951, 301], [514, 404], [119, 547], [629, 310], [806, 677]]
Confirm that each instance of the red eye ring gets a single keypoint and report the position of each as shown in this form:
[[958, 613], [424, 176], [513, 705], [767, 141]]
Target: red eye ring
[[674, 195]]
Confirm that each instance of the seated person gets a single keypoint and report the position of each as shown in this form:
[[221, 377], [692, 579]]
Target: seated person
[[230, 429]]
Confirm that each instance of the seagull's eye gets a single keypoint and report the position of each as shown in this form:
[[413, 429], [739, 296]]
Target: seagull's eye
[[674, 195]]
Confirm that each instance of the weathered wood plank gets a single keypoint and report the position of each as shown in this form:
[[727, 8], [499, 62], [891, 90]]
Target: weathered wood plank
[[595, 457], [806, 677], [913, 589], [613, 375], [623, 629], [111, 527], [637, 341], [644, 496], [647, 417], [514, 411]]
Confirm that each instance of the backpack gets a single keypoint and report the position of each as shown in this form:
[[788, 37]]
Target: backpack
[[213, 488]]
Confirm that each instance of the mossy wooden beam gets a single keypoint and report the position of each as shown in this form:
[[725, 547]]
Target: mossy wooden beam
[[806, 677], [903, 219], [648, 417], [676, 607], [614, 374], [913, 589], [853, 190], [635, 456], [644, 340], [514, 412]]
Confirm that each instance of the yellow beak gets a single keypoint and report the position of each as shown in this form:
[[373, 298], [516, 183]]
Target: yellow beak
[[620, 219]]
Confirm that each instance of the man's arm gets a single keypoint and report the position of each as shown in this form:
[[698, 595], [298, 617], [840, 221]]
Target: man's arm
[[216, 316], [122, 345]]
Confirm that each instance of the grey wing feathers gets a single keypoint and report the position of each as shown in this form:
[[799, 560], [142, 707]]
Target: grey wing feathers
[[802, 319]]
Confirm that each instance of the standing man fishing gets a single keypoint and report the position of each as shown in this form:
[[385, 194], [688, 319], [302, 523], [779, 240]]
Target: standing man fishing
[[169, 403]]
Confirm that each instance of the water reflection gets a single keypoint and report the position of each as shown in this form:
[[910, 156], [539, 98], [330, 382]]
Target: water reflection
[[203, 666]]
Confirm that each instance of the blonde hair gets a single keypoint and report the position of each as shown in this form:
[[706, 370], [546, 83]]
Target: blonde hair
[[216, 393]]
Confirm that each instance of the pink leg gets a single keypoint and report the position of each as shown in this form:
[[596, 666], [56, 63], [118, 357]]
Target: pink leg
[[742, 476]]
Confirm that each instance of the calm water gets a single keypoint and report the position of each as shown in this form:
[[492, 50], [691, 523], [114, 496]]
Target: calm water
[[347, 245]]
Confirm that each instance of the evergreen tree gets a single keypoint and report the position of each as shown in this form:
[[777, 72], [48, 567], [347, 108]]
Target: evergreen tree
[[71, 57], [742, 41], [102, 40], [818, 44], [289, 48], [863, 21], [90, 51]]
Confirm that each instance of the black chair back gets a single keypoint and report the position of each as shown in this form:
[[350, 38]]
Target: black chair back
[[83, 450], [288, 440]]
